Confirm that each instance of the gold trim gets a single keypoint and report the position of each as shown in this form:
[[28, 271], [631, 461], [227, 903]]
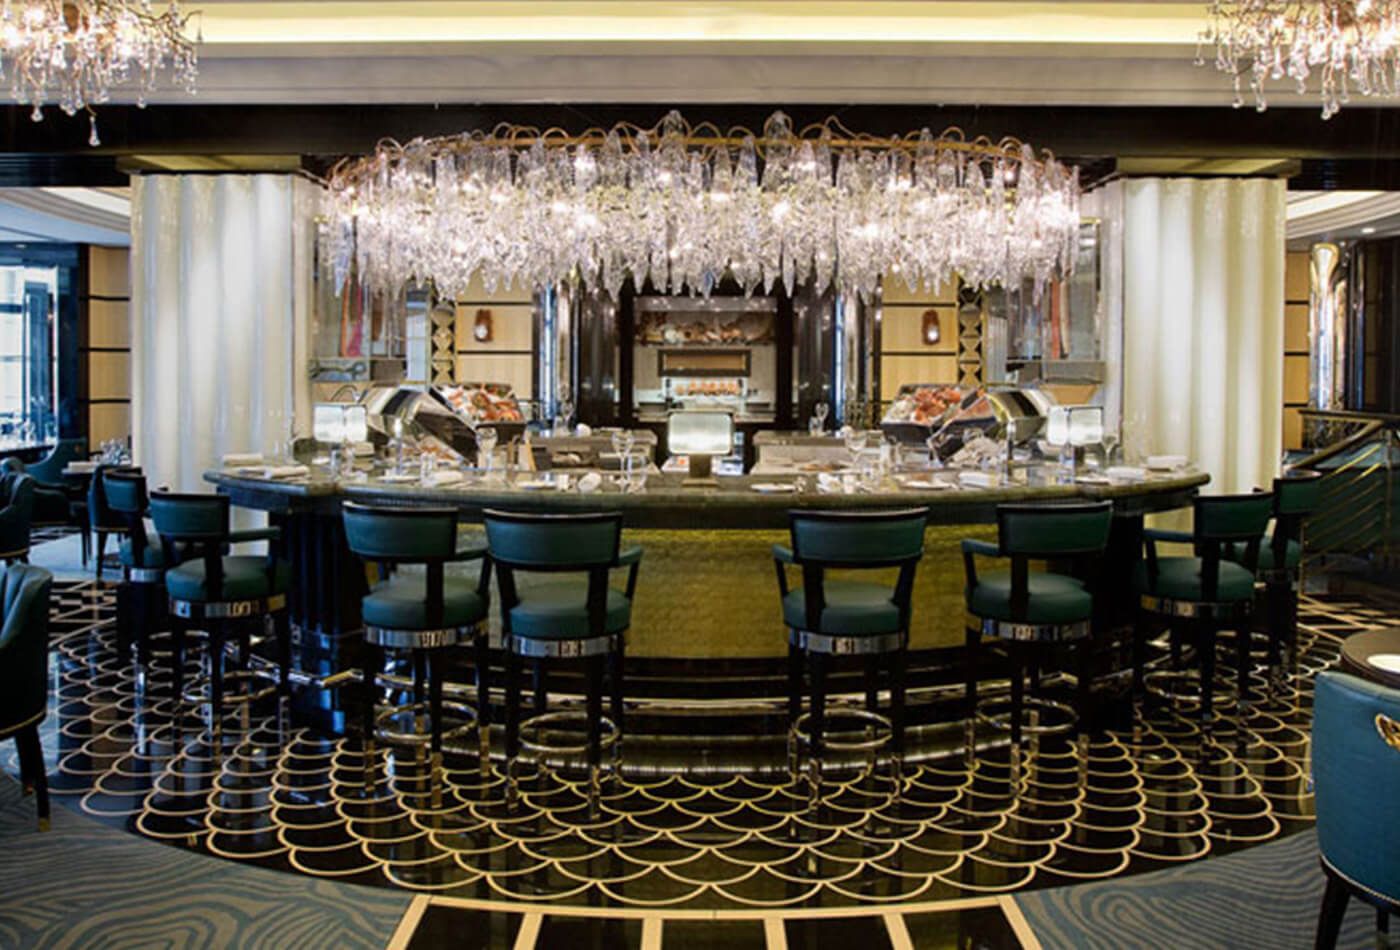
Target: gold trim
[[37, 718], [1389, 731]]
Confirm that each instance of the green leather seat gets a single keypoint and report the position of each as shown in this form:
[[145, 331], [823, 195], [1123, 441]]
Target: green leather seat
[[1179, 578], [558, 610], [852, 608], [401, 603], [153, 555], [1293, 557], [245, 578], [1051, 598]]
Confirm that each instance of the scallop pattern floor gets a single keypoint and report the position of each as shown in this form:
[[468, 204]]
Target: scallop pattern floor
[[1143, 799]]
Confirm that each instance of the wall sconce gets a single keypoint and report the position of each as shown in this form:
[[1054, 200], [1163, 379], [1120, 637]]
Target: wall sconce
[[481, 328], [933, 330]]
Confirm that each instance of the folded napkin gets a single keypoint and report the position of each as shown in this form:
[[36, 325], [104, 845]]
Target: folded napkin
[[979, 479], [241, 459], [80, 468], [448, 476], [1163, 462], [590, 482], [1126, 473], [828, 483], [286, 471]]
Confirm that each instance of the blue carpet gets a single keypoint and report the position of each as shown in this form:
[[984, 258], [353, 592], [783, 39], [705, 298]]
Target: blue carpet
[[84, 884], [1266, 896]]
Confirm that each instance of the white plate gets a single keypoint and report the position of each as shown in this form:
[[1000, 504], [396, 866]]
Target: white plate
[[774, 488], [920, 485], [1094, 480], [402, 478], [1390, 662], [535, 485]]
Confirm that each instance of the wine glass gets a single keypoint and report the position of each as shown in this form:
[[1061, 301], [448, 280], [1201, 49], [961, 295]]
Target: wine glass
[[933, 442], [820, 411], [485, 448], [855, 443]]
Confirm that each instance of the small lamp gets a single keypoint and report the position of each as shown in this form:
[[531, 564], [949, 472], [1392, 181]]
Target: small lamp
[[700, 436]]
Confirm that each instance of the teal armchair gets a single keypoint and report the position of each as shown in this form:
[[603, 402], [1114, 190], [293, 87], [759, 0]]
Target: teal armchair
[[48, 471], [24, 691], [16, 515]]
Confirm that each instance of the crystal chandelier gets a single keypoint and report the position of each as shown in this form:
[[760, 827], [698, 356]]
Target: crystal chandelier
[[685, 206], [76, 51], [1353, 44]]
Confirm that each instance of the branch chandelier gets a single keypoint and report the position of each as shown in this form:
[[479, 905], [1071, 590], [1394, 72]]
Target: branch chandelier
[[76, 51], [685, 205], [1354, 46]]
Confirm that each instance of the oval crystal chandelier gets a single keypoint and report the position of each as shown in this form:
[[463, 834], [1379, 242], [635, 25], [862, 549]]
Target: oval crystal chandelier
[[76, 51], [1354, 46], [686, 206]]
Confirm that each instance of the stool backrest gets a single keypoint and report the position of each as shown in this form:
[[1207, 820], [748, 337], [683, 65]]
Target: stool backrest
[[1054, 531], [49, 469], [24, 643], [190, 518], [125, 489], [554, 543], [858, 540], [400, 535], [1229, 518], [100, 513], [1356, 771], [1297, 493]]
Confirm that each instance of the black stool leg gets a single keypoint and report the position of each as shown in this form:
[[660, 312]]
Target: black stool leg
[[512, 717], [541, 687], [371, 663], [1334, 908], [898, 664], [26, 768], [1206, 645], [483, 697], [282, 626], [101, 552], [617, 659], [1243, 638], [216, 685], [594, 673], [434, 664], [816, 671], [1018, 699], [177, 666], [794, 678], [27, 740], [974, 642]]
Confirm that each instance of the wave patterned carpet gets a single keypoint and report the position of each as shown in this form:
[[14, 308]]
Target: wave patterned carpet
[[84, 884], [1266, 896]]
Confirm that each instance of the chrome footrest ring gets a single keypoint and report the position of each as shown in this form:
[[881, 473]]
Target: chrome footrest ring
[[197, 693], [385, 720], [1158, 684], [987, 714], [539, 724], [885, 729]]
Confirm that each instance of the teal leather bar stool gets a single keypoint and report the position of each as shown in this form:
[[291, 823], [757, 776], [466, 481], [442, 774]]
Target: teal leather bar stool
[[1296, 496], [1200, 595], [1356, 772], [140, 595], [1030, 614], [829, 618], [24, 673], [574, 615], [426, 614], [103, 521], [227, 596], [16, 515]]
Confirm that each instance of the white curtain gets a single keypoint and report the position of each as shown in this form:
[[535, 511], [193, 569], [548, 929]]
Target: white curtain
[[1203, 324], [221, 269]]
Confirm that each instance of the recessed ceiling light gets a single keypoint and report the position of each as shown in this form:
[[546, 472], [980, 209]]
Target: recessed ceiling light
[[1368, 230]]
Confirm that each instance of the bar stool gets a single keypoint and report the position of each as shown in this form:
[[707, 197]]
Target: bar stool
[[221, 594], [1296, 496], [1033, 614], [101, 518], [582, 618], [426, 614], [1206, 592], [143, 562], [835, 618]]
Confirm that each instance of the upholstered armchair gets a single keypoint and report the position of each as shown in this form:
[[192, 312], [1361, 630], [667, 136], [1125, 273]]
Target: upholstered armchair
[[16, 515], [1356, 773], [48, 471], [24, 682]]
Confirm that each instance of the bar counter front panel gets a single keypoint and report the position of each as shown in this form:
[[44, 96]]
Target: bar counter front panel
[[706, 589]]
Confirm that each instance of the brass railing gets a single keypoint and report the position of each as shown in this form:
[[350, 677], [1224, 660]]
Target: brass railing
[[1357, 455]]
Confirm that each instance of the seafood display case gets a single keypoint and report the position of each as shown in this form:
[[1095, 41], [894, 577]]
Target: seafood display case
[[444, 418], [950, 414]]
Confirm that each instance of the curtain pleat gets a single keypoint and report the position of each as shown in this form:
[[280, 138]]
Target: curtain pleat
[[220, 317], [1203, 324]]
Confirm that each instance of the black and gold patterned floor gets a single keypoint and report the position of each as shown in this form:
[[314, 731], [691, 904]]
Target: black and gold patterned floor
[[296, 800]]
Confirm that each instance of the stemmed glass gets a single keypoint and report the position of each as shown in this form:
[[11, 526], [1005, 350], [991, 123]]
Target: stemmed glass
[[623, 441], [486, 448], [933, 442], [855, 443], [819, 413]]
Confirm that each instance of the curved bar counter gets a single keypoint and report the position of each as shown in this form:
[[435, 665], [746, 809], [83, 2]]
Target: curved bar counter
[[706, 590]]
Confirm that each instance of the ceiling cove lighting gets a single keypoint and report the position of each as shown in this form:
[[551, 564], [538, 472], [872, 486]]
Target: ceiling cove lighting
[[75, 51], [685, 206], [1352, 45]]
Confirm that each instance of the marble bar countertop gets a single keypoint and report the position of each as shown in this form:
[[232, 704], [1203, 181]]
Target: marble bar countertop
[[665, 502]]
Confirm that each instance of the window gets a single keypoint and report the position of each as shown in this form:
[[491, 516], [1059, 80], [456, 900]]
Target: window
[[28, 355]]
